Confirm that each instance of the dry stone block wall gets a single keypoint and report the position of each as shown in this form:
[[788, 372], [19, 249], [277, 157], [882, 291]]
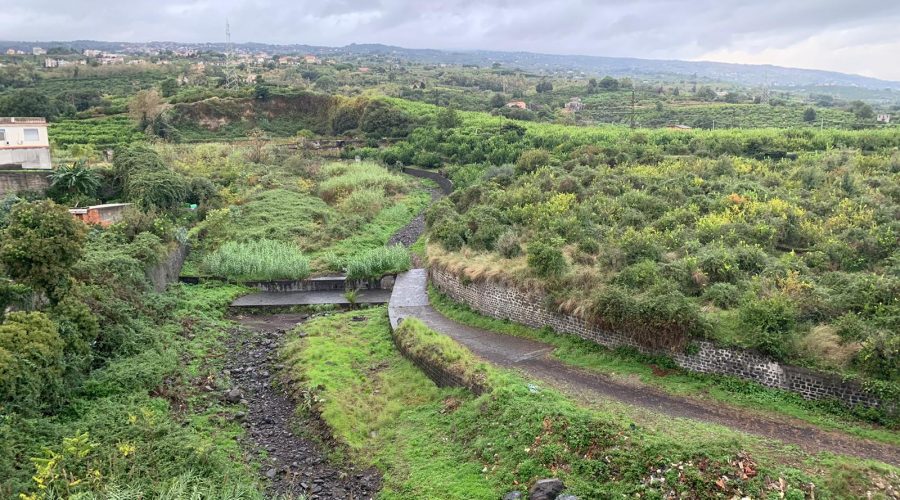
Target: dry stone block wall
[[504, 302], [12, 182], [438, 373]]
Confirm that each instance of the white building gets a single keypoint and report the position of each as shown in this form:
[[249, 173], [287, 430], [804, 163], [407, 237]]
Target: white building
[[884, 118], [92, 52], [24, 143], [38, 51]]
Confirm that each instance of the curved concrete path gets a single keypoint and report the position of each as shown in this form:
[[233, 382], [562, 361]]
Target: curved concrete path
[[410, 299]]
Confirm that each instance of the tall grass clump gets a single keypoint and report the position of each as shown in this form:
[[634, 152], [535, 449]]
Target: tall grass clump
[[343, 179], [377, 262], [257, 260]]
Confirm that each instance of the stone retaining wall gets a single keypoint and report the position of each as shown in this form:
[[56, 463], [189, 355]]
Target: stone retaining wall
[[438, 373], [503, 302], [168, 269], [14, 181]]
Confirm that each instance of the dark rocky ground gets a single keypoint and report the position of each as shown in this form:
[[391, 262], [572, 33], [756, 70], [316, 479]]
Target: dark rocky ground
[[408, 234], [297, 448]]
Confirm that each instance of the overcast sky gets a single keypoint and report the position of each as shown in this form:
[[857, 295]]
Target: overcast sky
[[853, 36]]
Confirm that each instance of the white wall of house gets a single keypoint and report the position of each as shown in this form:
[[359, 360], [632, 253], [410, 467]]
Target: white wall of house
[[25, 144]]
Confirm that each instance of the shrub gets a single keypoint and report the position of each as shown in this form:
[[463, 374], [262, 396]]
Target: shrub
[[161, 189], [879, 354], [377, 262], [531, 160], [645, 274], [440, 210], [449, 232], [483, 227], [40, 244], [508, 245], [31, 360], [723, 295], [257, 260], [769, 324], [363, 202], [546, 260]]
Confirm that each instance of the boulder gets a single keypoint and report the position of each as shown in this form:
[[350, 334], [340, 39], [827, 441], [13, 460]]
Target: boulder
[[546, 489], [233, 396], [513, 495]]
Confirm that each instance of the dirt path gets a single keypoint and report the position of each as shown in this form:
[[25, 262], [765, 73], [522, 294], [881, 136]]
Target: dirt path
[[295, 465], [410, 299]]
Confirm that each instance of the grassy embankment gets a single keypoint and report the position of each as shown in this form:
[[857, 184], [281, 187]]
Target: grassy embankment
[[447, 443]]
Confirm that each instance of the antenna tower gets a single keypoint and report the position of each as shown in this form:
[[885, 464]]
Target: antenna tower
[[231, 79]]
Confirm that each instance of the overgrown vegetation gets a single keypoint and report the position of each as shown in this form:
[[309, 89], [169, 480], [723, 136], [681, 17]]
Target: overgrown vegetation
[[257, 260], [749, 252]]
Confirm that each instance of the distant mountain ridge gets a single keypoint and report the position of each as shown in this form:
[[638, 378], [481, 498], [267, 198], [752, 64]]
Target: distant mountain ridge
[[744, 74]]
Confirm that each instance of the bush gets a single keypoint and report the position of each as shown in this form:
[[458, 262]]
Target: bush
[[879, 354], [723, 295], [377, 262], [508, 245], [257, 260], [531, 160], [483, 227], [31, 360], [40, 244], [546, 260], [159, 189], [769, 325], [449, 232]]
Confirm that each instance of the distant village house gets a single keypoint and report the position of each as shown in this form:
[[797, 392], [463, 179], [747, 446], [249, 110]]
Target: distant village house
[[24, 143], [517, 104], [883, 118], [574, 105]]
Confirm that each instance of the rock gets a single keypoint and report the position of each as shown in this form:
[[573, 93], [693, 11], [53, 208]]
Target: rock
[[567, 496], [546, 489], [240, 416], [513, 495], [271, 473], [234, 395], [387, 283]]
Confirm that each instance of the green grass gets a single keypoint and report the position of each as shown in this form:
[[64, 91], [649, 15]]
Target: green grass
[[257, 260], [376, 233], [625, 363], [442, 443], [377, 262], [344, 178], [143, 421]]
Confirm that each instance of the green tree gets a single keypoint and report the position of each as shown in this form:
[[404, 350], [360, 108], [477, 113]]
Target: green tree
[[809, 115], [160, 189], [862, 110], [40, 245], [544, 86], [448, 118], [609, 83], [27, 102], [168, 87], [498, 101], [31, 359], [261, 92], [130, 160], [326, 83]]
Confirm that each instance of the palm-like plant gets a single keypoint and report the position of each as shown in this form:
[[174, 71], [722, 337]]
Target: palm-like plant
[[75, 179]]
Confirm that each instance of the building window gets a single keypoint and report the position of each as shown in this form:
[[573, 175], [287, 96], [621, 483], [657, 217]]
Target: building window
[[32, 135], [3, 134]]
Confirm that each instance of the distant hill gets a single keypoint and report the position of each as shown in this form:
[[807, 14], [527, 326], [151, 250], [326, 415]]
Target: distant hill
[[742, 74]]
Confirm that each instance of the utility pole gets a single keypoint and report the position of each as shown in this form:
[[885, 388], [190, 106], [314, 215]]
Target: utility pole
[[632, 105]]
